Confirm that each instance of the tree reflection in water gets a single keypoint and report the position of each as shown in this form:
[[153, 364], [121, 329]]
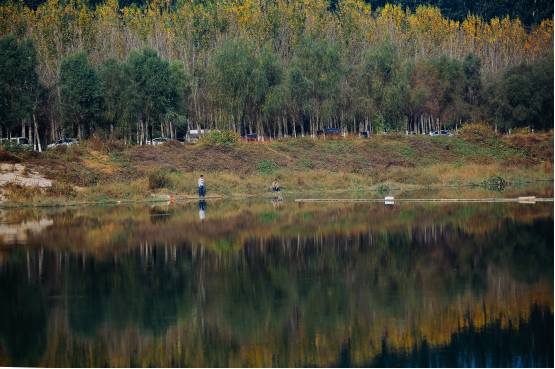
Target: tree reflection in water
[[310, 285]]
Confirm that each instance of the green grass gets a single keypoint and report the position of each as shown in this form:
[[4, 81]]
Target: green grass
[[337, 146], [305, 164], [383, 189], [267, 167], [406, 151], [469, 150]]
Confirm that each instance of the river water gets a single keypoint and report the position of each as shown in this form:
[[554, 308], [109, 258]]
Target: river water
[[267, 283]]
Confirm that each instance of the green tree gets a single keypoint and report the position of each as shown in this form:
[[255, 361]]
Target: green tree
[[268, 77], [234, 79], [115, 89], [18, 81], [450, 89], [382, 86], [81, 95], [437, 91], [175, 119], [152, 91], [472, 86], [314, 77], [523, 96]]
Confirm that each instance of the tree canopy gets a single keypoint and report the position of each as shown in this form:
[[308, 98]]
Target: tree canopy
[[81, 95], [19, 83], [276, 68]]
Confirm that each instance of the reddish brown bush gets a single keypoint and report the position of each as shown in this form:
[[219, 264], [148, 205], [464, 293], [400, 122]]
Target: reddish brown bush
[[477, 132]]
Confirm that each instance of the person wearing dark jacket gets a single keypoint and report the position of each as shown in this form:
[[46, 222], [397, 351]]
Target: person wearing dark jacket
[[201, 188]]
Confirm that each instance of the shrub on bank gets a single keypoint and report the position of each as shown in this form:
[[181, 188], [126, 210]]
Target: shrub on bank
[[61, 190], [495, 183], [522, 131], [220, 138], [21, 194], [477, 132], [9, 157], [103, 145], [71, 153], [267, 167], [160, 178], [83, 176], [383, 189]]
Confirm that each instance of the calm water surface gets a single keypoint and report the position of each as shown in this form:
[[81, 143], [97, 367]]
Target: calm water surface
[[278, 284]]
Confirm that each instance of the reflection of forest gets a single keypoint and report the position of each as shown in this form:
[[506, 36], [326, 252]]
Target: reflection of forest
[[299, 285], [16, 232], [230, 225]]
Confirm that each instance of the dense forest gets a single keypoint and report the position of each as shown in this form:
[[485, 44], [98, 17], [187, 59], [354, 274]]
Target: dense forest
[[277, 68], [530, 12]]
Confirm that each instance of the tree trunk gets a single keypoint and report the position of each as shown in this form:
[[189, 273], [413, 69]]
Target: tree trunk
[[37, 138], [52, 128]]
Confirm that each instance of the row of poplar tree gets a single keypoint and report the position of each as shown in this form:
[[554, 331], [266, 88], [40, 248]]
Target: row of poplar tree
[[238, 83]]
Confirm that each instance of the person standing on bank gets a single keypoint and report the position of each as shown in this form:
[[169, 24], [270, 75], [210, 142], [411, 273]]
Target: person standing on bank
[[201, 188]]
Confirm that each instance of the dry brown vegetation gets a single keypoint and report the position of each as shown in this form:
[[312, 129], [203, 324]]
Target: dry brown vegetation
[[98, 171]]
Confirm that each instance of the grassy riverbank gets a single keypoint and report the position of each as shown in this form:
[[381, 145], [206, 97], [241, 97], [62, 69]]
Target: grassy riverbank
[[98, 171]]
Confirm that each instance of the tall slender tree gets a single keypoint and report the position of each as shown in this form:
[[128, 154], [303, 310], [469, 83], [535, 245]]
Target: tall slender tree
[[313, 78], [19, 82], [151, 91], [81, 95]]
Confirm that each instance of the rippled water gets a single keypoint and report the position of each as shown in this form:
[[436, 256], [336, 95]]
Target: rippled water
[[267, 283]]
